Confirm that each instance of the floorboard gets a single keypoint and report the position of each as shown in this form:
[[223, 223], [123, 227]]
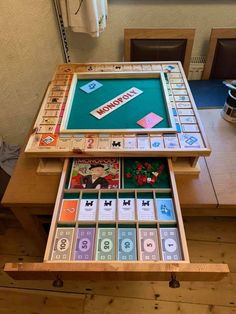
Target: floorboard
[[209, 240]]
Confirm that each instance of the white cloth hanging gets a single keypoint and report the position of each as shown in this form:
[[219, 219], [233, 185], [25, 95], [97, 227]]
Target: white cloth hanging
[[9, 154], [85, 16]]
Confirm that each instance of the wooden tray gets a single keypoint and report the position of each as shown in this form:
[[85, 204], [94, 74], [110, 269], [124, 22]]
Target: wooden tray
[[172, 270]]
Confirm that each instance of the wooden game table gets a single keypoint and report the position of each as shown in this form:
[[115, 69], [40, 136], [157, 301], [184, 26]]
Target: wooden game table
[[210, 194], [31, 194]]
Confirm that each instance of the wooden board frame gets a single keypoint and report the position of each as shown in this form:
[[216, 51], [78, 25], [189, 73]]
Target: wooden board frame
[[118, 75], [48, 122]]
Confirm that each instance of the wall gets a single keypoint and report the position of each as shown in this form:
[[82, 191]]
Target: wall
[[31, 46], [199, 14], [30, 51]]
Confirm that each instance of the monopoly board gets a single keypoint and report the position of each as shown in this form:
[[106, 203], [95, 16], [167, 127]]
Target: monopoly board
[[118, 109]]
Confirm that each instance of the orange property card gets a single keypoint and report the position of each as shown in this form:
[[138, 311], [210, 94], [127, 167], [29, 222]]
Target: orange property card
[[68, 210]]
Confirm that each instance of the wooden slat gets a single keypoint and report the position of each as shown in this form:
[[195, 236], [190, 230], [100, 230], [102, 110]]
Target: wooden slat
[[117, 271], [178, 212], [25, 301], [221, 163], [196, 192], [194, 294], [211, 229], [26, 188]]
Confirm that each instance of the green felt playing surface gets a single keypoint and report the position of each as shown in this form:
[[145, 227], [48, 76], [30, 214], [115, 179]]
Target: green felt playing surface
[[124, 117]]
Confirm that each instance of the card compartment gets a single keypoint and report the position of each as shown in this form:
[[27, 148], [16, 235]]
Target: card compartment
[[115, 269]]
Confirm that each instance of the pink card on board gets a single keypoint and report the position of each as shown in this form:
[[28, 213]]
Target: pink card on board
[[150, 120]]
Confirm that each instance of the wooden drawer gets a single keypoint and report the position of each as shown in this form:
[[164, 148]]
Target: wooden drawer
[[134, 232]]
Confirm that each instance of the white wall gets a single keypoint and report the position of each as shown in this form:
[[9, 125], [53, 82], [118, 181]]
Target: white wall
[[30, 51], [199, 14], [30, 45]]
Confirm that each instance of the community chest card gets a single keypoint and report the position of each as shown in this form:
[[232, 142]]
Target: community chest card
[[91, 86]]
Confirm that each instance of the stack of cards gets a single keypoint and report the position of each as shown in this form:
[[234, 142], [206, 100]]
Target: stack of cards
[[165, 209], [148, 244], [91, 87], [124, 243], [62, 244], [170, 245], [105, 249], [145, 209], [88, 209], [107, 209], [127, 244], [126, 209], [84, 244], [149, 121], [68, 211], [110, 209]]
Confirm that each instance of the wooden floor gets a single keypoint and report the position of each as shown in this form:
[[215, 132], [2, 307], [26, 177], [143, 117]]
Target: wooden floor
[[209, 240]]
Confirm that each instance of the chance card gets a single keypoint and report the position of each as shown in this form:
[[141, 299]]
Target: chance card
[[150, 120], [165, 209], [68, 210], [91, 86]]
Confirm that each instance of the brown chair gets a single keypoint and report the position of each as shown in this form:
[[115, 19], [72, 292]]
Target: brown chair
[[161, 44], [221, 56]]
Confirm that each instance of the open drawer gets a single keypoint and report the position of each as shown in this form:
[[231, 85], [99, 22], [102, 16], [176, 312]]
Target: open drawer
[[126, 224]]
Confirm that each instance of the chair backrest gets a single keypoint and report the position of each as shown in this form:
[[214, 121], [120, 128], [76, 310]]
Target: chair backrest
[[160, 44], [221, 55]]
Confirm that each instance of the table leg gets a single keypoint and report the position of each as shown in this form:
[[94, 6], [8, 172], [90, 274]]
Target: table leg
[[32, 227], [193, 161]]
